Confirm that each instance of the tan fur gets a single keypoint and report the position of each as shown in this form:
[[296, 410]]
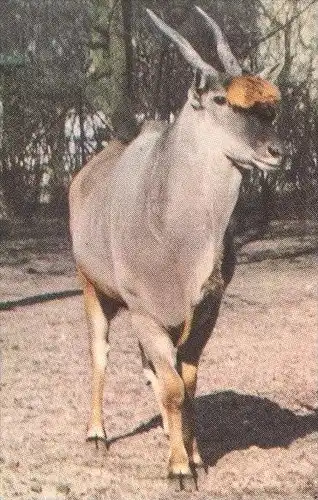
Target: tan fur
[[189, 374], [98, 332], [173, 394], [92, 173], [186, 329], [248, 90]]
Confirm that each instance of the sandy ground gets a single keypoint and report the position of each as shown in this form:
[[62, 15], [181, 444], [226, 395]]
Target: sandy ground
[[257, 394]]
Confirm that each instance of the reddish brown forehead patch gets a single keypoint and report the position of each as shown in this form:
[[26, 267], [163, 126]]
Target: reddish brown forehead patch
[[248, 90]]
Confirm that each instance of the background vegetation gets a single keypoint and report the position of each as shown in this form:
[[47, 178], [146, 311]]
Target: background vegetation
[[74, 73]]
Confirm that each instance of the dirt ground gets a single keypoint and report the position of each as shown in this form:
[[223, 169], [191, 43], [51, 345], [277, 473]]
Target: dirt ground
[[256, 406]]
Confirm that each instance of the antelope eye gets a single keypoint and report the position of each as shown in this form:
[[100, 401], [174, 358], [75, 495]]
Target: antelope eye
[[266, 111], [219, 99]]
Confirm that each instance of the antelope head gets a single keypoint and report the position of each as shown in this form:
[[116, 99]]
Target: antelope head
[[239, 107]]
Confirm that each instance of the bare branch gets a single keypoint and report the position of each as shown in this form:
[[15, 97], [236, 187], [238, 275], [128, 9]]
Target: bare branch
[[267, 14], [283, 26], [272, 17]]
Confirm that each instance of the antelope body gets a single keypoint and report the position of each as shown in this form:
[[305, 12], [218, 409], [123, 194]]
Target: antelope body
[[149, 221]]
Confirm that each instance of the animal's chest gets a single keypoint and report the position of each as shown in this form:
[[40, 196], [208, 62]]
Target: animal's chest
[[197, 260], [201, 271]]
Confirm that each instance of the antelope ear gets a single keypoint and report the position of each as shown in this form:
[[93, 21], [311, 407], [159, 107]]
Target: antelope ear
[[271, 73], [196, 90], [195, 98]]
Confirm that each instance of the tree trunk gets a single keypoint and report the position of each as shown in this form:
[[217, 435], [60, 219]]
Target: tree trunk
[[127, 14], [112, 78]]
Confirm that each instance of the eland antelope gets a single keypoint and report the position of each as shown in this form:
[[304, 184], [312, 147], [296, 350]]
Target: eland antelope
[[149, 228]]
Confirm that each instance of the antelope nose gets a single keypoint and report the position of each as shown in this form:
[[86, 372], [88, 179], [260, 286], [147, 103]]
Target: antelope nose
[[275, 150]]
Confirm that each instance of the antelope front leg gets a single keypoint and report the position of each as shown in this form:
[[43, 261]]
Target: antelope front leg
[[99, 347], [152, 379], [189, 353], [189, 377], [159, 349]]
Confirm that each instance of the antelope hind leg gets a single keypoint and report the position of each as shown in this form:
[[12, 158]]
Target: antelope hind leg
[[188, 373], [189, 353]]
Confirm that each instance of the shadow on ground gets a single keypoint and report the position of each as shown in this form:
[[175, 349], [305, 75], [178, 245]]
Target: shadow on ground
[[228, 421]]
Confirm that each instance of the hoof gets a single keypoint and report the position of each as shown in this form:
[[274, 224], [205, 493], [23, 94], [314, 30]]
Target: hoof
[[179, 465], [184, 481], [97, 435], [197, 462]]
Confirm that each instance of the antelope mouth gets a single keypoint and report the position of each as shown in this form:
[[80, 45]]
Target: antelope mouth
[[266, 164]]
